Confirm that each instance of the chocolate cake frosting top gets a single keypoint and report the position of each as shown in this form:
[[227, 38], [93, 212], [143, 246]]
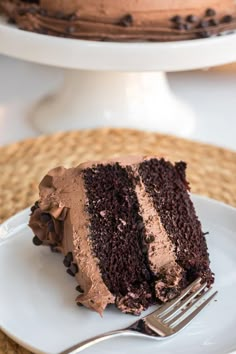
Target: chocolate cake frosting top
[[127, 228], [133, 20]]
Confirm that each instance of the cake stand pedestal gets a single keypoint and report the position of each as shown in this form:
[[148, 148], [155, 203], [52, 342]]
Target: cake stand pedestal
[[115, 84], [91, 99]]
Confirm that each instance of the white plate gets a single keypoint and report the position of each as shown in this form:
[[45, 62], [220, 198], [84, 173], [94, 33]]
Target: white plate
[[37, 307]]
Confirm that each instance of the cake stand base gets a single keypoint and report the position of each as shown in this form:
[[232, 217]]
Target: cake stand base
[[90, 99]]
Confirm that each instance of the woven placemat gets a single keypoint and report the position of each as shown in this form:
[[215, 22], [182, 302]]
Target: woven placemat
[[211, 170]]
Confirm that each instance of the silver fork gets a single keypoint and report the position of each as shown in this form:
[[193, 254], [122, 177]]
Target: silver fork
[[166, 321]]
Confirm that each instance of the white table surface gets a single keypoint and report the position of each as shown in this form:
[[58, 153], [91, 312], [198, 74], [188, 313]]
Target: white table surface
[[211, 94]]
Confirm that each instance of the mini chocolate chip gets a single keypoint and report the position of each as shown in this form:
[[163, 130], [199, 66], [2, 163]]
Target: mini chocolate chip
[[192, 18], [78, 288], [70, 272], [45, 217], [70, 29], [150, 239], [66, 262], [204, 34], [36, 241], [34, 207], [74, 268], [69, 257], [187, 26], [92, 302], [180, 26], [79, 304], [227, 19], [177, 19], [203, 24], [210, 12], [214, 22], [126, 21]]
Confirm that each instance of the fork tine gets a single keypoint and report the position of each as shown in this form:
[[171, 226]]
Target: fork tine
[[168, 306], [189, 318], [188, 307], [182, 304]]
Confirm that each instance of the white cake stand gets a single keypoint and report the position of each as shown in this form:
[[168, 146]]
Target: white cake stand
[[115, 84]]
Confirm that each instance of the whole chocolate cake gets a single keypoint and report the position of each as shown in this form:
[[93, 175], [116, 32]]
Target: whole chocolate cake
[[127, 229], [124, 20]]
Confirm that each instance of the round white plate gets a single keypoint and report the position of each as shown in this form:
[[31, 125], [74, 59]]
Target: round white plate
[[94, 55], [37, 307]]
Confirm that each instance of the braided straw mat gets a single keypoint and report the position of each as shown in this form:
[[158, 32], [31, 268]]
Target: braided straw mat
[[211, 170]]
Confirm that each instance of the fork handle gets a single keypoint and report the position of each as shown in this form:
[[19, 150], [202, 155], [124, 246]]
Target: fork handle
[[94, 340]]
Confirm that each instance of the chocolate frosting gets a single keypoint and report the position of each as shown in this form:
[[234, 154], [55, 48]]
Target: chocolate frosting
[[59, 193], [134, 20]]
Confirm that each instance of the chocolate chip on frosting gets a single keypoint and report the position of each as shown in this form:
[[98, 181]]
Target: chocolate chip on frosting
[[177, 19], [126, 21], [210, 12], [205, 34], [34, 207], [36, 241], [203, 24], [69, 257], [192, 18], [150, 239], [69, 271], [227, 19], [66, 263], [78, 288], [214, 22], [187, 26], [180, 26], [74, 268]]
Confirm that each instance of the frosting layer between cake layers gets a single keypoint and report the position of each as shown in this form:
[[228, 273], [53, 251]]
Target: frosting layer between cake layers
[[127, 228], [133, 20]]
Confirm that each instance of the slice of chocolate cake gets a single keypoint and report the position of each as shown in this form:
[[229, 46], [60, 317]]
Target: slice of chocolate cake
[[127, 228]]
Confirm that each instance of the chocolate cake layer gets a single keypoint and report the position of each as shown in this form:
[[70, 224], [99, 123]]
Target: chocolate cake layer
[[117, 235], [133, 20], [167, 186]]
